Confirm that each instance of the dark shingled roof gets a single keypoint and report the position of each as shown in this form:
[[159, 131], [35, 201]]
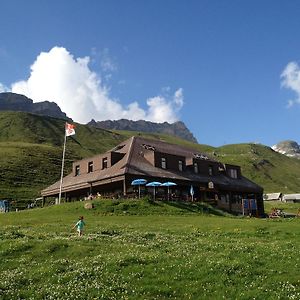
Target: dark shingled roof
[[134, 163]]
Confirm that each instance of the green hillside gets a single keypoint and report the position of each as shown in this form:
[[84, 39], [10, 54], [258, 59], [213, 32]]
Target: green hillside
[[31, 149], [140, 250]]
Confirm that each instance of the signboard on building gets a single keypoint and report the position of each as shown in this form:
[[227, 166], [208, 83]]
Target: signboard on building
[[210, 185]]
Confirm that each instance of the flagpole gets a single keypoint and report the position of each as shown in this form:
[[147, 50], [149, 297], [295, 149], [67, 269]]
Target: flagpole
[[62, 169]]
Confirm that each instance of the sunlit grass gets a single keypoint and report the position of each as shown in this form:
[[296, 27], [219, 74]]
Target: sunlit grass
[[286, 207], [175, 255]]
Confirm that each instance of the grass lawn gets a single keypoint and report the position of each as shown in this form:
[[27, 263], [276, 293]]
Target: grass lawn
[[286, 207], [142, 250]]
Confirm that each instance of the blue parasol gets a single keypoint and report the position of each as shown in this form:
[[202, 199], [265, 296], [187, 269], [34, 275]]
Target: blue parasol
[[139, 182], [153, 184], [168, 184]]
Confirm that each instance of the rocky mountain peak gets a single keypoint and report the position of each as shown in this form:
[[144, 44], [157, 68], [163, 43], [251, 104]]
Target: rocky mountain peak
[[178, 129], [17, 102], [288, 148]]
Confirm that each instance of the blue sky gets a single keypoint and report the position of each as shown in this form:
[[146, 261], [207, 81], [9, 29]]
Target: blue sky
[[215, 65]]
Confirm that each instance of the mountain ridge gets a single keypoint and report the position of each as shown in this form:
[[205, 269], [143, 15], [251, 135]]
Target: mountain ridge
[[17, 102], [178, 128]]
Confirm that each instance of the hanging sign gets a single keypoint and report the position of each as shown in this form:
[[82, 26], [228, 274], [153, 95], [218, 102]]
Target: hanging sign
[[210, 185]]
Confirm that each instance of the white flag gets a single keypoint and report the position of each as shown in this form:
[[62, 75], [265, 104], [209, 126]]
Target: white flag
[[70, 129]]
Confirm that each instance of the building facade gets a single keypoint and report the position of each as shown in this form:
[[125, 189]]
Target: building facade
[[112, 172]]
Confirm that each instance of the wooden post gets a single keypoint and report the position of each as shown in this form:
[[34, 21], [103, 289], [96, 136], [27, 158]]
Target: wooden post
[[243, 207], [124, 187], [230, 195]]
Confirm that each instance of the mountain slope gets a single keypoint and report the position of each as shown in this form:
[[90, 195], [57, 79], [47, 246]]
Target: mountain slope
[[31, 149]]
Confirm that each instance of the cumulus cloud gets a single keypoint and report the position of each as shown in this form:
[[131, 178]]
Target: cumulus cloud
[[80, 92], [291, 80], [3, 88], [161, 109]]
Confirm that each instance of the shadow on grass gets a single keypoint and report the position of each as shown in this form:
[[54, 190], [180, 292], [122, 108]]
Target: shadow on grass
[[202, 208], [154, 203]]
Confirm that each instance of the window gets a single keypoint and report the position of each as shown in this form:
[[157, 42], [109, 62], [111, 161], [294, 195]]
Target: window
[[180, 165], [77, 170], [196, 168], [236, 199], [90, 167], [233, 173], [210, 171], [163, 163], [104, 163]]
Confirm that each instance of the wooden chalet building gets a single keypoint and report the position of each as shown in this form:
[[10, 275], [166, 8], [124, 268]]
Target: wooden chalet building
[[112, 172]]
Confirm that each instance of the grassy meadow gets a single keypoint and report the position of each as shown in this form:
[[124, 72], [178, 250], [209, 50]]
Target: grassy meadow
[[292, 208], [143, 250]]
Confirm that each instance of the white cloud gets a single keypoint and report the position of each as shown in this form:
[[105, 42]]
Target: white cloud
[[3, 88], [107, 63], [178, 98], [80, 92], [291, 80], [161, 109]]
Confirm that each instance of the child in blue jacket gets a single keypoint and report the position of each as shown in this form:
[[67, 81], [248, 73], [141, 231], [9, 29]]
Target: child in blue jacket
[[79, 225]]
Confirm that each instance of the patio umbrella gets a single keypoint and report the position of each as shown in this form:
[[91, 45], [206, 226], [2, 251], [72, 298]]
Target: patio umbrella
[[139, 182], [153, 184], [168, 184]]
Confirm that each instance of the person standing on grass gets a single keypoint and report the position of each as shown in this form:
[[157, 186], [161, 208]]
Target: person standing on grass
[[79, 225]]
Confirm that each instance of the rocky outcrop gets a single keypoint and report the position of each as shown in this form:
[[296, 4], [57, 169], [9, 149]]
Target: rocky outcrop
[[288, 148], [17, 102], [177, 129]]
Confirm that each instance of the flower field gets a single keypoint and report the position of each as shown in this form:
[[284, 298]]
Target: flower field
[[183, 254]]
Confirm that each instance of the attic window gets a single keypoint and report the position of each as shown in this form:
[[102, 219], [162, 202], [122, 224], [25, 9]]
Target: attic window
[[180, 165], [196, 168], [210, 171], [148, 147], [90, 167], [201, 156], [163, 163], [77, 170], [233, 173], [104, 163]]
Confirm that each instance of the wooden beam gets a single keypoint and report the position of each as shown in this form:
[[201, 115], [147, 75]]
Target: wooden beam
[[124, 187]]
